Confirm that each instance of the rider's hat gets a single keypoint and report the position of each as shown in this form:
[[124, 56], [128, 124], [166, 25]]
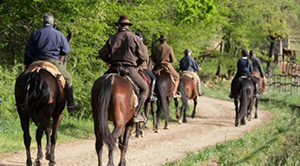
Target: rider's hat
[[123, 20], [186, 51], [163, 37]]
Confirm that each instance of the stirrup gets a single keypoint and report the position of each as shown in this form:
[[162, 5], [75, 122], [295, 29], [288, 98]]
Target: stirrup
[[153, 98], [139, 118]]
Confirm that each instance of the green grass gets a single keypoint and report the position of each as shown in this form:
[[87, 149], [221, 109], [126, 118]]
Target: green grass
[[71, 128], [275, 143]]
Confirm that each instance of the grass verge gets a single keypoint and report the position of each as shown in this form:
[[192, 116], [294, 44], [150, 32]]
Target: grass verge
[[275, 143]]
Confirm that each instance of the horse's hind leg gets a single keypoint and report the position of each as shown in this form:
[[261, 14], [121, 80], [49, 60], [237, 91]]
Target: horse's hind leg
[[236, 103], [38, 136], [47, 132], [123, 143], [176, 108], [256, 104], [27, 138], [167, 114], [56, 123], [195, 106], [117, 132], [99, 145]]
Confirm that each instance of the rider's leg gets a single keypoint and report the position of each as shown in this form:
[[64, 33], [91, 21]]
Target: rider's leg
[[142, 84], [152, 86], [69, 87], [175, 75], [232, 85], [196, 77]]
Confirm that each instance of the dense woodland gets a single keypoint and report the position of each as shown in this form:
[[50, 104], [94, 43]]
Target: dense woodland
[[216, 31]]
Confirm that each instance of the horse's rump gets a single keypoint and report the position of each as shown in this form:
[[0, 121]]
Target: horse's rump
[[261, 82]]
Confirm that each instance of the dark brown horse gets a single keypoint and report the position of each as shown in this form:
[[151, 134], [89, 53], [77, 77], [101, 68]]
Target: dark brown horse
[[39, 97], [243, 99], [188, 90], [261, 89], [112, 99], [290, 53]]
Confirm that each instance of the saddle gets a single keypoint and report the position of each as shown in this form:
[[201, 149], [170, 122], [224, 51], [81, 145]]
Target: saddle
[[189, 74], [52, 69], [163, 67]]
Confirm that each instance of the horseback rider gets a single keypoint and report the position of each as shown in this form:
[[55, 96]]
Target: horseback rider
[[146, 70], [126, 49], [163, 55], [47, 44], [245, 68], [256, 63], [257, 68], [188, 64]]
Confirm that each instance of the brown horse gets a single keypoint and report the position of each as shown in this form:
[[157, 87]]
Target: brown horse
[[39, 97], [290, 53], [243, 99], [112, 99], [164, 87], [261, 89], [188, 90]]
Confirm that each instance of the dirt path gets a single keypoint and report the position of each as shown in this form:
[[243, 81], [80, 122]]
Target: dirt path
[[214, 123]]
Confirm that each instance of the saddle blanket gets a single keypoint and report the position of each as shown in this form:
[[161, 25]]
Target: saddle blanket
[[52, 69]]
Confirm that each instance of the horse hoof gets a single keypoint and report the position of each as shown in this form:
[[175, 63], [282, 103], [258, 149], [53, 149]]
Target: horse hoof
[[47, 156], [243, 122], [193, 116], [142, 133], [52, 164], [179, 121], [155, 130], [38, 162], [28, 162], [166, 127], [255, 117], [184, 121], [236, 124]]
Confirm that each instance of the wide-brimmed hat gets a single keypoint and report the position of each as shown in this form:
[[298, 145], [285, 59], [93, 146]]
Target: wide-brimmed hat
[[163, 37], [123, 20]]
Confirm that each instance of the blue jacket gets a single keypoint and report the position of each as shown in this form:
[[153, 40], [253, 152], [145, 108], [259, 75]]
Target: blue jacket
[[46, 43], [243, 66], [188, 63]]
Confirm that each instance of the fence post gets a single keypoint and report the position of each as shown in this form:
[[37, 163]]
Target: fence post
[[285, 83]]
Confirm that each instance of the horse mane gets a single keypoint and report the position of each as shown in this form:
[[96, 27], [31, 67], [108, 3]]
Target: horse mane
[[37, 94]]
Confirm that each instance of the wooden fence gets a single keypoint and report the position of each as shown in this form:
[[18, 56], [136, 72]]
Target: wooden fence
[[288, 67], [285, 83]]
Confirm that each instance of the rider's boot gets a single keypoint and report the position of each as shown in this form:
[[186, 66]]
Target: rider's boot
[[137, 115], [200, 93], [256, 90], [176, 94], [70, 100], [152, 97]]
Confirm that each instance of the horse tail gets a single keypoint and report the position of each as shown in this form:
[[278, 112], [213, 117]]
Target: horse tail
[[244, 102], [161, 94], [183, 93], [37, 94], [104, 98]]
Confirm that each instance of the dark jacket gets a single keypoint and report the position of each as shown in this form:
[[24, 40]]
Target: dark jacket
[[188, 63], [124, 47], [257, 67], [243, 66], [46, 43], [163, 53]]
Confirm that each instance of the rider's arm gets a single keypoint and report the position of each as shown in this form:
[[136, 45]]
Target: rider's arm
[[65, 47], [104, 52], [195, 65], [172, 56], [260, 68]]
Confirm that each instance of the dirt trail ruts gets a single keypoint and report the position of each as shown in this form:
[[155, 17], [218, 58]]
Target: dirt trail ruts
[[214, 123]]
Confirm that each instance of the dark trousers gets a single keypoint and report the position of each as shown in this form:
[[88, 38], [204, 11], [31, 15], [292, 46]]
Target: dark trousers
[[150, 74]]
